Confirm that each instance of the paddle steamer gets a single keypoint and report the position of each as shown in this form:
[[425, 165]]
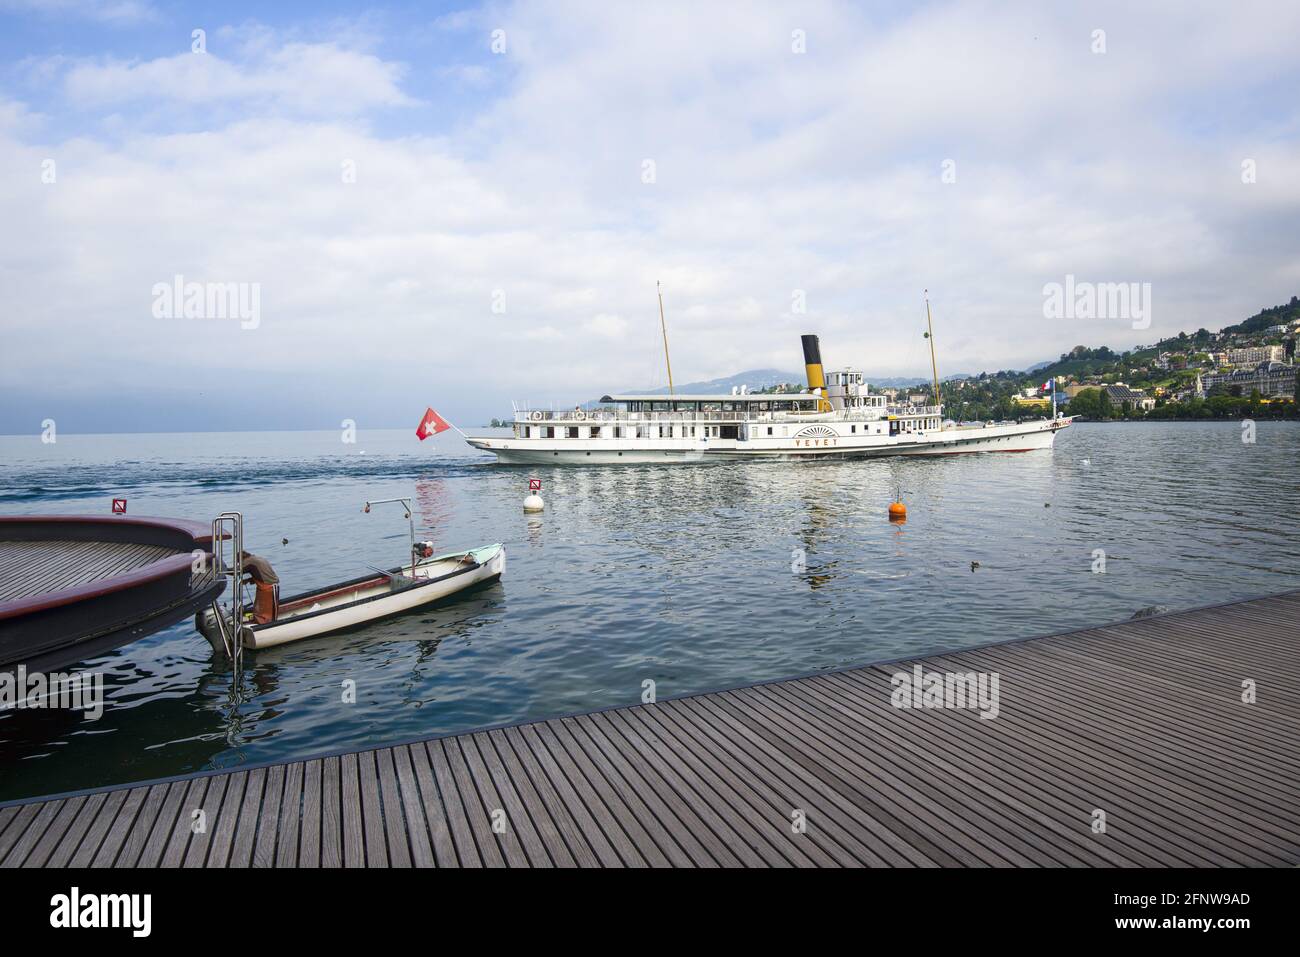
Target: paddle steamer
[[836, 417]]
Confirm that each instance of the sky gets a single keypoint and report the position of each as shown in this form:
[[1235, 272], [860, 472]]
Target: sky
[[460, 206]]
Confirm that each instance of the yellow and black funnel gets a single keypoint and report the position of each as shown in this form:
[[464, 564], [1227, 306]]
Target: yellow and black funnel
[[812, 360]]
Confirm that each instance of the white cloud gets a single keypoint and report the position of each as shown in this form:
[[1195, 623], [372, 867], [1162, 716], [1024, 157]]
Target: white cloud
[[108, 11], [607, 326], [312, 78], [776, 172]]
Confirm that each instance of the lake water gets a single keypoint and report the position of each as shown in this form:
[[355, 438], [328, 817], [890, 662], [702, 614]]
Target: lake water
[[688, 576]]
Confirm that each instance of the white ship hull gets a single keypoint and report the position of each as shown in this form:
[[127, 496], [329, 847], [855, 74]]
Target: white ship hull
[[1009, 437]]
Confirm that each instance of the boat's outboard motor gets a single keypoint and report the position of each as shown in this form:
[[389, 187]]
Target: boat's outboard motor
[[266, 602]]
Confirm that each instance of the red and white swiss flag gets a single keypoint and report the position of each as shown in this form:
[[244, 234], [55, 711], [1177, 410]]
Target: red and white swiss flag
[[431, 424]]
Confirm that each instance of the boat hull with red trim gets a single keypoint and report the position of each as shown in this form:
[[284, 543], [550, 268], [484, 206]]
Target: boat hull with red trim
[[76, 586]]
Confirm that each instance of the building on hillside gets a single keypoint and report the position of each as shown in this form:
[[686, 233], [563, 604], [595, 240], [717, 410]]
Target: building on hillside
[[1252, 356], [1074, 388], [1119, 393], [1037, 402], [1267, 378]]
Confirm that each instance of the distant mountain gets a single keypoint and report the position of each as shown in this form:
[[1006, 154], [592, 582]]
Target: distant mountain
[[755, 379]]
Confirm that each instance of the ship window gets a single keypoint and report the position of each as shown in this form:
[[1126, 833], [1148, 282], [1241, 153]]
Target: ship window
[[548, 432], [571, 432], [595, 431], [853, 428], [769, 430]]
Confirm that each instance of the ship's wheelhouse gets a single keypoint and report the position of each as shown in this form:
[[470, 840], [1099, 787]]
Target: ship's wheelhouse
[[848, 392]]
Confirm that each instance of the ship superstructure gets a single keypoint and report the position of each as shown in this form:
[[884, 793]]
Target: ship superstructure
[[836, 417]]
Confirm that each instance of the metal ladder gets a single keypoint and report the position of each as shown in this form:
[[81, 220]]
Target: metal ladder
[[229, 526]]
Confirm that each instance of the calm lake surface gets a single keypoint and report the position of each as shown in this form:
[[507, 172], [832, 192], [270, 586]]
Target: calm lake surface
[[685, 575]]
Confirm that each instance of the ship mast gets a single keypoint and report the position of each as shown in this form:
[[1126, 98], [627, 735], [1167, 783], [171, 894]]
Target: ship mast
[[929, 334], [663, 327]]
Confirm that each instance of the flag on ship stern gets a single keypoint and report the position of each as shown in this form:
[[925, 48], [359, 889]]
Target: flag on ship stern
[[431, 424]]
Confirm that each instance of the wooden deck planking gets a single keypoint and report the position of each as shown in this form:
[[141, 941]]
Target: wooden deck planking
[[200, 842], [36, 568], [1178, 741], [1142, 720], [286, 850], [1111, 782]]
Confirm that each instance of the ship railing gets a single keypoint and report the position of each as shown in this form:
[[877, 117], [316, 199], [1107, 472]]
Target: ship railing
[[603, 415], [598, 416]]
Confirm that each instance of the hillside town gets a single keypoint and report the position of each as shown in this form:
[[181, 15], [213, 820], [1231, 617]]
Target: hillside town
[[1245, 369]]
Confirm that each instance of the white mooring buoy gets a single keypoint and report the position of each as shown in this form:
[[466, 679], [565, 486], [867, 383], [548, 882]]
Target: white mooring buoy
[[534, 503]]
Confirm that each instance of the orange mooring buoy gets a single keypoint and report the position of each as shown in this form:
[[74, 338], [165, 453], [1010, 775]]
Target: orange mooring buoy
[[897, 512]]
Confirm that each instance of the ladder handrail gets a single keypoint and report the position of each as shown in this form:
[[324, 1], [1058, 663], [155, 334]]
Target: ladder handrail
[[232, 638]]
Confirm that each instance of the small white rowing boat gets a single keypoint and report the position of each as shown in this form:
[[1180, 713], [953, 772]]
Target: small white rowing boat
[[269, 620], [367, 599]]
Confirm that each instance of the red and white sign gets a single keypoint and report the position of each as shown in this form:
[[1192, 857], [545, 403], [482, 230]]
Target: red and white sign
[[534, 485], [119, 506], [431, 424]]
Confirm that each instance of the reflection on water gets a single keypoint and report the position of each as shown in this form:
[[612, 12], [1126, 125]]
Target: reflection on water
[[697, 577]]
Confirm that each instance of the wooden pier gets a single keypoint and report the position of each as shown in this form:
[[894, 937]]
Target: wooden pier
[[1126, 745]]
